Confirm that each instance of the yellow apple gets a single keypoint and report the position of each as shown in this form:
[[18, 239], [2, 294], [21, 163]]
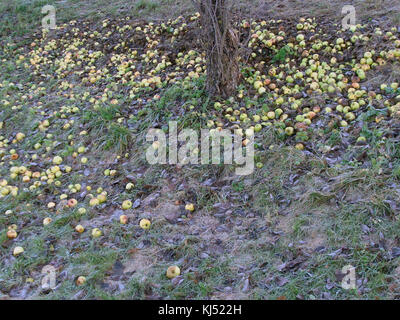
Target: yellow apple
[[81, 281], [123, 219], [11, 234], [145, 224], [299, 146], [289, 131], [102, 197], [127, 204], [173, 271], [18, 250], [96, 232], [79, 228], [47, 221], [94, 202], [57, 160], [20, 136], [129, 186], [189, 207], [81, 149]]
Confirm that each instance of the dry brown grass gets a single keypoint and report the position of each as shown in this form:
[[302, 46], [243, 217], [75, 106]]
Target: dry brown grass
[[388, 73], [387, 11]]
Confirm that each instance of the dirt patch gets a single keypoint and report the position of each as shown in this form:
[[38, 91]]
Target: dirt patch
[[140, 262]]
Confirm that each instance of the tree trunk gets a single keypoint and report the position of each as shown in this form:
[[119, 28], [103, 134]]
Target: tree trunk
[[221, 43]]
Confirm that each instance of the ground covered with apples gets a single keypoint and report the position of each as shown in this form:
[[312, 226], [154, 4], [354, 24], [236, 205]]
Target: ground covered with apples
[[77, 194]]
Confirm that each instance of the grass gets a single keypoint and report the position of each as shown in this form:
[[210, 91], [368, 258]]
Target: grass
[[109, 135], [146, 5], [20, 17], [343, 228]]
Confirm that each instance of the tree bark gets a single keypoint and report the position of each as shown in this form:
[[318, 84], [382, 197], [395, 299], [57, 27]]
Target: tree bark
[[221, 43]]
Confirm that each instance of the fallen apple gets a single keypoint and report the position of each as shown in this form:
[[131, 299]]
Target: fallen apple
[[123, 219], [94, 202], [173, 272], [80, 281], [18, 250], [102, 197], [96, 232], [79, 228], [129, 186], [47, 221], [72, 203], [57, 160], [145, 224], [11, 234], [189, 207], [20, 136], [127, 204]]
